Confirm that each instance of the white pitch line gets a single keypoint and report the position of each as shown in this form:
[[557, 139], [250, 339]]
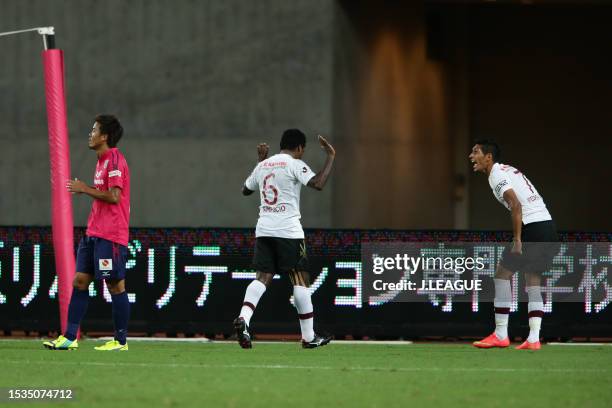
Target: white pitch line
[[205, 340], [298, 367], [580, 344], [339, 342], [209, 341], [162, 339]]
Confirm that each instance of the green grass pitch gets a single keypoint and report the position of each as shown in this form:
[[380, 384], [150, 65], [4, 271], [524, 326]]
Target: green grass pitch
[[164, 374]]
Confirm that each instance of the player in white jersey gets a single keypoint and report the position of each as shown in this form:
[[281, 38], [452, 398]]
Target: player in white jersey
[[280, 247], [533, 245]]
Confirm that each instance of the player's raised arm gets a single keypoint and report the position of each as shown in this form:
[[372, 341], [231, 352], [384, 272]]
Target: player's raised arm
[[250, 185], [112, 196], [517, 218], [262, 151], [319, 180]]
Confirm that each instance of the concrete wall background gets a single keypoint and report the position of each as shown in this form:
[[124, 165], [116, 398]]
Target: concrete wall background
[[392, 121], [196, 85]]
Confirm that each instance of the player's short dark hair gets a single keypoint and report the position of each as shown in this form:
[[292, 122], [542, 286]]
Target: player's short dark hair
[[489, 146], [110, 126], [292, 138]]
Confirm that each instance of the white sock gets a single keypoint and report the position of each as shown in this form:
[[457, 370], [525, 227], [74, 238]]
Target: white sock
[[303, 304], [253, 293], [535, 308], [501, 303]]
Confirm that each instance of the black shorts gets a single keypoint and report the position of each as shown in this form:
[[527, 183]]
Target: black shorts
[[540, 246], [280, 255]]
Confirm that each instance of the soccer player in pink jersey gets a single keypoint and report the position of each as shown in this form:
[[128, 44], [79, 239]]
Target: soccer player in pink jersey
[[533, 247], [102, 252]]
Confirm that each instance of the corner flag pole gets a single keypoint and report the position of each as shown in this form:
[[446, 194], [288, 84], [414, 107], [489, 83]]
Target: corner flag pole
[[59, 158]]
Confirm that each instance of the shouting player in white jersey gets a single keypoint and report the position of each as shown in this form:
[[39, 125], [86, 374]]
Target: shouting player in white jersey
[[532, 228], [280, 247]]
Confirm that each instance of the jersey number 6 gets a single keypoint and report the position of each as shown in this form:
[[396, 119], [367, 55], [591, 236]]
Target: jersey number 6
[[267, 187]]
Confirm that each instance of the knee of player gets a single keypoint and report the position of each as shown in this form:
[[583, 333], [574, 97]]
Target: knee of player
[[503, 273], [533, 279], [506, 275], [266, 280], [300, 278], [115, 287]]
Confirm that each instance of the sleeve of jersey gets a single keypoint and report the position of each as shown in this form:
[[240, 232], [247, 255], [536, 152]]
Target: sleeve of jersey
[[116, 175], [302, 172], [500, 183], [251, 181]]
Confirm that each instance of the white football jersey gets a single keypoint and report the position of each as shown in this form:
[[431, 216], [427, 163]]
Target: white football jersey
[[279, 179], [504, 177]]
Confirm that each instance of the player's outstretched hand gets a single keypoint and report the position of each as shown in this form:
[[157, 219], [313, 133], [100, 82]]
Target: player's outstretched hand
[[262, 151], [329, 149]]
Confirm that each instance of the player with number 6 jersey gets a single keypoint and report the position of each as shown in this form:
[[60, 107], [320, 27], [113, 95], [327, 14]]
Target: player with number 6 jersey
[[281, 178], [279, 246], [533, 249]]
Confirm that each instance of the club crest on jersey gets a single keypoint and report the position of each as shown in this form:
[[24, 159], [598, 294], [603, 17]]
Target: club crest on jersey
[[304, 170], [105, 264]]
